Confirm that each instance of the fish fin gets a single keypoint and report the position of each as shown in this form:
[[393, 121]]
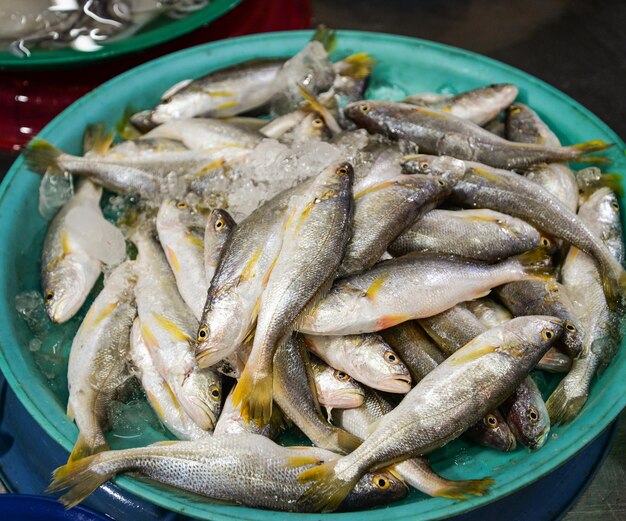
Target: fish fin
[[302, 459], [124, 127], [612, 181], [177, 87], [79, 477], [347, 442], [254, 397], [165, 443], [614, 288], [373, 426], [464, 488], [360, 65], [391, 320], [596, 145], [317, 106], [41, 156], [97, 139], [536, 263], [327, 37], [462, 357], [82, 448], [327, 491], [70, 411], [563, 408]]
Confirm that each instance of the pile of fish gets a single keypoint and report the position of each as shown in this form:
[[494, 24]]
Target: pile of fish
[[338, 254], [81, 24]]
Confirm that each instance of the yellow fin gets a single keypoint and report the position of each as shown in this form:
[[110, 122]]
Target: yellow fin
[[265, 281], [248, 269], [173, 258], [79, 478], [106, 311], [347, 442], [360, 65], [317, 106], [327, 492], [220, 93], [375, 286], [227, 105], [194, 240], [464, 488], [165, 443], [373, 188], [171, 328], [486, 174], [463, 355], [154, 401], [148, 338], [210, 167], [302, 459], [66, 247], [97, 139], [70, 411], [254, 397], [82, 448], [391, 320]]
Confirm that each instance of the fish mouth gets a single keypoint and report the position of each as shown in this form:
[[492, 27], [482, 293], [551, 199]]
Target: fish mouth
[[208, 357], [348, 400], [399, 384], [511, 443], [201, 413], [541, 439]]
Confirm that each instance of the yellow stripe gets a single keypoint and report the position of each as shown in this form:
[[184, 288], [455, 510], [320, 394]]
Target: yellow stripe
[[248, 269], [65, 243], [171, 328], [194, 240], [148, 338], [374, 188], [173, 258], [227, 105]]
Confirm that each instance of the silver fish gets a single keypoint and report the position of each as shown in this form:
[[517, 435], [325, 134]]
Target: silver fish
[[335, 389], [218, 229]]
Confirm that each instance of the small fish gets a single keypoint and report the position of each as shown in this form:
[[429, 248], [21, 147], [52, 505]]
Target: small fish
[[555, 362], [220, 468], [599, 323], [474, 234], [385, 295], [492, 431], [315, 239], [180, 230], [415, 348], [416, 471], [591, 179], [527, 415], [167, 328], [479, 105], [382, 212], [335, 389], [68, 272], [443, 405], [437, 132], [98, 359], [218, 229], [295, 393], [366, 358], [158, 393], [502, 190]]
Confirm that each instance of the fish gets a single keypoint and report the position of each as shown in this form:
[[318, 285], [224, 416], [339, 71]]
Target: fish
[[453, 328], [441, 407], [437, 132], [295, 393], [167, 328], [366, 358], [158, 393], [384, 296], [502, 190], [233, 298], [97, 367], [592, 178], [220, 467], [527, 416], [181, 234], [414, 347], [334, 388], [475, 234], [489, 312], [415, 471], [479, 105], [382, 212], [555, 362], [231, 422], [218, 229], [68, 272], [548, 298], [226, 92], [315, 239], [493, 431], [599, 323], [523, 125]]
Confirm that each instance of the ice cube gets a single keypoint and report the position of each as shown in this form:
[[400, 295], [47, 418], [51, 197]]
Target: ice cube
[[30, 306], [54, 191], [97, 236]]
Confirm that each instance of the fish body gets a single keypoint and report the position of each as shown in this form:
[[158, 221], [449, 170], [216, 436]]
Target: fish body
[[475, 234], [489, 312], [453, 328], [98, 359], [68, 272]]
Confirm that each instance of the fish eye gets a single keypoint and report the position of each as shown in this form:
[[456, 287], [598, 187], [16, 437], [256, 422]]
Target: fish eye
[[615, 206], [219, 224], [181, 205], [342, 170], [215, 392], [341, 376], [364, 107], [203, 333], [424, 166], [491, 421], [49, 295], [381, 482], [547, 334], [318, 122], [391, 357], [570, 327], [545, 242], [440, 182], [533, 416]]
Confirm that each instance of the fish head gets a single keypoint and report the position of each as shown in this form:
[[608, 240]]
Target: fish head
[[218, 333], [178, 213], [374, 116], [374, 489], [494, 432], [338, 389], [447, 168], [67, 285], [312, 127], [504, 92], [183, 105], [220, 223], [529, 420], [530, 336], [606, 221], [384, 366], [201, 395]]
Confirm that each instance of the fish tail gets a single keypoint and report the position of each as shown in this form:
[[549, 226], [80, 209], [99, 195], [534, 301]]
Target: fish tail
[[463, 488], [326, 36], [84, 448], [41, 156], [614, 287], [346, 441], [579, 151], [327, 491], [97, 139], [562, 407], [254, 397], [359, 65], [536, 263], [80, 477], [124, 126]]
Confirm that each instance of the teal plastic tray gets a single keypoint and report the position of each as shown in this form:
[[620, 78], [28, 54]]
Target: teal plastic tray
[[406, 65]]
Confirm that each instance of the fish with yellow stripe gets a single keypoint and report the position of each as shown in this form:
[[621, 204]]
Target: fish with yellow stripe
[[168, 327], [68, 272], [98, 362]]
